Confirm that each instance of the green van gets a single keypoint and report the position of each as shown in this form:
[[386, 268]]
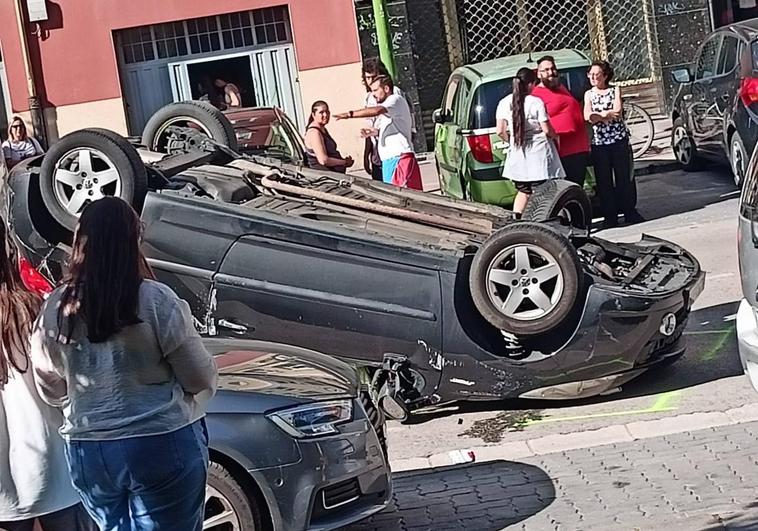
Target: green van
[[468, 152]]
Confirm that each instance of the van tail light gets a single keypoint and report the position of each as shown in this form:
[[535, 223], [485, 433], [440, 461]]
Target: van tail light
[[33, 279], [481, 147], [749, 90]]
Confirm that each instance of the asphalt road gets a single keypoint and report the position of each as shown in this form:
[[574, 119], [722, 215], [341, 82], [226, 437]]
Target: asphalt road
[[695, 210]]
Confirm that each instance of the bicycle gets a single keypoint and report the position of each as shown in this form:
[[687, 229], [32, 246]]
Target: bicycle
[[640, 125]]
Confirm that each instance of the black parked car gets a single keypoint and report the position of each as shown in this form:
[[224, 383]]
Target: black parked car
[[715, 113], [435, 299]]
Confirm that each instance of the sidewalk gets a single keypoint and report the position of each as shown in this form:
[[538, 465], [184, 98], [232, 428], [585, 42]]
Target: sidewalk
[[698, 480]]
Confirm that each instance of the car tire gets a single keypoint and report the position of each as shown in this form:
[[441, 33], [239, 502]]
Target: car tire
[[224, 493], [547, 272], [199, 114], [738, 158], [561, 199], [684, 147], [80, 162]]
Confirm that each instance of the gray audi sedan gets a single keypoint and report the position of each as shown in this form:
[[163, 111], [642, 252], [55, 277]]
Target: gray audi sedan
[[293, 443]]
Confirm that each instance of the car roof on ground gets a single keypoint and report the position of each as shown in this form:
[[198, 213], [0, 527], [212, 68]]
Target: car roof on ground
[[506, 67]]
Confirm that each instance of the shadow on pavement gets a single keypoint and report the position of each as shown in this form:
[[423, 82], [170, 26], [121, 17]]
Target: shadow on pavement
[[711, 355], [485, 497], [666, 194]]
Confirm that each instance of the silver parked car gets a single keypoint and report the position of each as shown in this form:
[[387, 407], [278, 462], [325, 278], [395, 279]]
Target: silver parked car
[[747, 237], [293, 443]]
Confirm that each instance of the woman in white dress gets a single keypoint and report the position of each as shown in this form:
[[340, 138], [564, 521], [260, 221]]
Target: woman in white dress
[[522, 121]]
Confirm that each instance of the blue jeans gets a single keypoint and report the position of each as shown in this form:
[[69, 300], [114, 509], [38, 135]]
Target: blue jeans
[[143, 483]]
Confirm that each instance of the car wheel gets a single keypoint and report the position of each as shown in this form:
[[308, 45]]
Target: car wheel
[[198, 115], [561, 199], [227, 507], [525, 279], [684, 147], [85, 166], [738, 158]]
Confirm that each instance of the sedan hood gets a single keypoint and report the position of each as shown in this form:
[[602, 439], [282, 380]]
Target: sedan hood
[[282, 370]]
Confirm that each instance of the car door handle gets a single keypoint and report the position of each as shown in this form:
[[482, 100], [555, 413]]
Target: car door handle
[[229, 325]]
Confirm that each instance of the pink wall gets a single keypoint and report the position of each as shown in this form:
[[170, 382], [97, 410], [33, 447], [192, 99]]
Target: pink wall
[[78, 61]]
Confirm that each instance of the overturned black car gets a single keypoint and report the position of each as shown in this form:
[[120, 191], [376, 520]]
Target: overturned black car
[[438, 300]]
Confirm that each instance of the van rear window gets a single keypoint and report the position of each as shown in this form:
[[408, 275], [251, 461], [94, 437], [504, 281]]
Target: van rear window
[[488, 95]]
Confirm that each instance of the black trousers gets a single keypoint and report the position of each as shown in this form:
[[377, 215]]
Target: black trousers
[[72, 519], [613, 174], [575, 167]]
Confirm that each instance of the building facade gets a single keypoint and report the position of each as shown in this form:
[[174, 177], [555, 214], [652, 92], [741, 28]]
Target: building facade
[[110, 63]]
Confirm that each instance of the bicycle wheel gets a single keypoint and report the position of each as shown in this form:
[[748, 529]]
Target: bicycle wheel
[[641, 128]]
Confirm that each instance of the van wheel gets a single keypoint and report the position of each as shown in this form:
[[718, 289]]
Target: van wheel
[[226, 504], [199, 115], [559, 199], [684, 147], [85, 166], [525, 279], [738, 158]]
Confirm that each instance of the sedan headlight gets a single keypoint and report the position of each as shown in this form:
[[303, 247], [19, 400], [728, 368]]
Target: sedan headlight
[[313, 420]]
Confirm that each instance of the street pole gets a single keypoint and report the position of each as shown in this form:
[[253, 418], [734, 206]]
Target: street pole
[[383, 36], [35, 109]]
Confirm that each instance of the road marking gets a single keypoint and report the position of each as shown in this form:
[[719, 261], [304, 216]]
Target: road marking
[[661, 404], [713, 352]]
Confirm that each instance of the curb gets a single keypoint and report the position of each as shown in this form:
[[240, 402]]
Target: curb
[[549, 444]]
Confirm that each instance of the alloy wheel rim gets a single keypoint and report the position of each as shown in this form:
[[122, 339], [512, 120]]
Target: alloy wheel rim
[[83, 175], [525, 282], [163, 137], [219, 512], [682, 145], [738, 162]]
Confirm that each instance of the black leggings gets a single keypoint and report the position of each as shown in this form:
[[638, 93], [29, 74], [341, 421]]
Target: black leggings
[[613, 174]]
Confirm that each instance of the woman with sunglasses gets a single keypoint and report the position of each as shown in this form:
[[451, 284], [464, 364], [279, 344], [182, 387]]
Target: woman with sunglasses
[[19, 145]]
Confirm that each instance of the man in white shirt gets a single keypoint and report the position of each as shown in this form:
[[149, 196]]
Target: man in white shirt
[[393, 129]]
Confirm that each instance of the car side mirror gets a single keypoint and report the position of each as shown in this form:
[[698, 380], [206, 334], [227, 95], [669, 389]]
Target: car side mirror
[[682, 75], [441, 117]]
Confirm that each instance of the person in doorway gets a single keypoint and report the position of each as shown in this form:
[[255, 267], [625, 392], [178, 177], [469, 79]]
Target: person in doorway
[[34, 479], [320, 147], [232, 95], [373, 68], [522, 121], [393, 130], [567, 119], [611, 154], [19, 145], [118, 352]]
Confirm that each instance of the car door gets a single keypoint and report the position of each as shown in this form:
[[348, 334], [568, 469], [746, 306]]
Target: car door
[[446, 138], [727, 81], [315, 285], [705, 123], [747, 238]]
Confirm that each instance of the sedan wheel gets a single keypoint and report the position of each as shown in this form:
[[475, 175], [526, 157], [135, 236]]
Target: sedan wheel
[[683, 148], [82, 176], [525, 281], [738, 159], [219, 512]]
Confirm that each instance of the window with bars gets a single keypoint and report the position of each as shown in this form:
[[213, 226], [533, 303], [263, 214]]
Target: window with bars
[[207, 34]]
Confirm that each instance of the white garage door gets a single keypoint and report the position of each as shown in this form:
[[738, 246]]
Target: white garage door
[[155, 61]]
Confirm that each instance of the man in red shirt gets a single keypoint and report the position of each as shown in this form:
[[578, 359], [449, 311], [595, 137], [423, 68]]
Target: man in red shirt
[[567, 118]]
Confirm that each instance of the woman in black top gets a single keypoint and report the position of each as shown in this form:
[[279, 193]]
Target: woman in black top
[[320, 147]]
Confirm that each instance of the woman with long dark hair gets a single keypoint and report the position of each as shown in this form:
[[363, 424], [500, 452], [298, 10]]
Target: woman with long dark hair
[[34, 479], [522, 121], [118, 352], [320, 147]]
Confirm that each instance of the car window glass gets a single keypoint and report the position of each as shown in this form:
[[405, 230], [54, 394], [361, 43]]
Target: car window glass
[[488, 95], [451, 93], [706, 61], [728, 55], [754, 54], [460, 103], [266, 138]]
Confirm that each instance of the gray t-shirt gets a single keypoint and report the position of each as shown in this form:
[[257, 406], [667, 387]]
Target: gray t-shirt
[[150, 378]]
